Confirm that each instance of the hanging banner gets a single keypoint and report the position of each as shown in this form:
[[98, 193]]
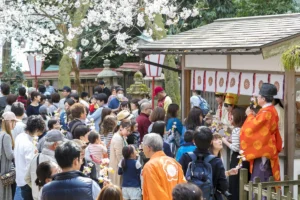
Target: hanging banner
[[233, 82], [246, 84], [221, 82], [278, 81], [210, 81], [199, 80], [259, 79]]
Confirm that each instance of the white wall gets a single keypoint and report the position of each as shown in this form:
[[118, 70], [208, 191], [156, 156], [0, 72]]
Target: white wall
[[206, 61], [238, 62], [256, 62]]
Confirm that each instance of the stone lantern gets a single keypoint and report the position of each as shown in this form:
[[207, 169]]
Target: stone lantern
[[138, 90], [109, 76]]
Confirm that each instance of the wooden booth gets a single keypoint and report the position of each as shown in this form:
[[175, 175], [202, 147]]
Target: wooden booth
[[237, 55]]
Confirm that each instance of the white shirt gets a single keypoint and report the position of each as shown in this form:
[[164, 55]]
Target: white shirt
[[62, 105], [23, 152], [195, 101], [19, 128], [83, 102]]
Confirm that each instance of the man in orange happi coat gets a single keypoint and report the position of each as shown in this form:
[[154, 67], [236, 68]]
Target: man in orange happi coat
[[260, 138], [161, 173]]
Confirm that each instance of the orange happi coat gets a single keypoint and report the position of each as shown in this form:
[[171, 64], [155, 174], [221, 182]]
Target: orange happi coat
[[260, 137], [160, 175]]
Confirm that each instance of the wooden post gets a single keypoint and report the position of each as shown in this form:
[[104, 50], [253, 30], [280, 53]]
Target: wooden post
[[289, 123], [186, 92], [278, 195], [298, 196], [256, 181], [259, 192], [250, 194], [243, 182], [286, 188], [269, 193]]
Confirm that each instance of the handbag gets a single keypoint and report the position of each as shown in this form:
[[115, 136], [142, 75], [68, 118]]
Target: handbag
[[9, 177]]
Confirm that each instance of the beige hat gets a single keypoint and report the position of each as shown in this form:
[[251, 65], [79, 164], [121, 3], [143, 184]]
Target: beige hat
[[124, 114], [9, 116]]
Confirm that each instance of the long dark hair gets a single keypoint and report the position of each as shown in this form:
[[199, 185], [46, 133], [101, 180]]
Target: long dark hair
[[193, 119], [172, 111], [277, 101], [126, 152], [105, 112], [43, 171], [239, 117]]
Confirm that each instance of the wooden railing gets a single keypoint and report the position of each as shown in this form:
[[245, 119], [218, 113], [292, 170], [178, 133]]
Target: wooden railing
[[270, 190]]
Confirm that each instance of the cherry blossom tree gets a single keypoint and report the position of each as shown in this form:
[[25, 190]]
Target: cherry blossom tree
[[88, 26]]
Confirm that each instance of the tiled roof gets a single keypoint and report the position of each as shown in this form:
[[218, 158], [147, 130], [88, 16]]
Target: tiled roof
[[233, 34]]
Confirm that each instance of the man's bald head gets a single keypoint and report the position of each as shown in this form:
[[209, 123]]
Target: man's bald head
[[146, 108]]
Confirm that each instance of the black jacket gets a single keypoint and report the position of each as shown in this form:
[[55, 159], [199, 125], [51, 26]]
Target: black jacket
[[219, 179], [68, 185]]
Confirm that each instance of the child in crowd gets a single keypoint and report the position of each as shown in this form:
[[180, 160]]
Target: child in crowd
[[93, 105], [96, 147], [188, 146], [187, 191], [44, 173], [134, 137], [130, 168]]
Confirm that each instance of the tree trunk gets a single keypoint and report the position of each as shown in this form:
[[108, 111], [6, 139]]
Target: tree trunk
[[6, 56], [172, 84], [77, 78], [65, 68]]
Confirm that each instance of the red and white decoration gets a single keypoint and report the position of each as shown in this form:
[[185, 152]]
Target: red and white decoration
[[246, 84], [221, 82], [151, 70], [210, 81], [259, 79], [199, 80], [278, 81], [233, 82], [35, 64]]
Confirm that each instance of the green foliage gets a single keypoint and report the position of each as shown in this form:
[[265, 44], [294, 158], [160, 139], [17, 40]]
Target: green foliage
[[264, 7], [291, 58], [14, 77]]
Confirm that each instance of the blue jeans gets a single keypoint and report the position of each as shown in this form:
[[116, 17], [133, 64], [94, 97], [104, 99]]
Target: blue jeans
[[18, 195], [26, 192]]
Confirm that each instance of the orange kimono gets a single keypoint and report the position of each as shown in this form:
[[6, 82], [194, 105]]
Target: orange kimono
[[160, 175], [260, 137]]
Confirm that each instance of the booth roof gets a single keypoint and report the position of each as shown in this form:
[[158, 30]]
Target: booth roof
[[232, 35]]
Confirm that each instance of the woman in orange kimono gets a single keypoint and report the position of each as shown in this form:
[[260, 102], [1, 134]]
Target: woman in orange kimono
[[260, 137]]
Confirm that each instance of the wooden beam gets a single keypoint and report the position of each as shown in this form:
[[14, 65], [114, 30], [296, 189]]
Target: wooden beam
[[185, 89], [280, 47], [289, 123], [228, 62]]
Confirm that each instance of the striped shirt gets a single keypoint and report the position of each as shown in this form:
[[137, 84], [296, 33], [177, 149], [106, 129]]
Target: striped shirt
[[235, 137], [97, 151], [107, 140]]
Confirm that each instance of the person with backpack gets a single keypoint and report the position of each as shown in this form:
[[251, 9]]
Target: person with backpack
[[198, 101], [174, 126], [211, 180]]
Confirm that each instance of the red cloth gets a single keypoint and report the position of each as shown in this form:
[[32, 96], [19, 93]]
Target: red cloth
[[22, 100], [92, 108], [143, 124], [260, 137]]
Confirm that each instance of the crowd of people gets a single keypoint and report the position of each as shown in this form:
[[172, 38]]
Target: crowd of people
[[110, 147]]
